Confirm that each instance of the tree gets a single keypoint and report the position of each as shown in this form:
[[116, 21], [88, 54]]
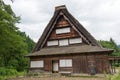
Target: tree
[[112, 45], [13, 45]]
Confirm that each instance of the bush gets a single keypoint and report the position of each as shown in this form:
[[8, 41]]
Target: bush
[[2, 71], [116, 64], [2, 78], [7, 72]]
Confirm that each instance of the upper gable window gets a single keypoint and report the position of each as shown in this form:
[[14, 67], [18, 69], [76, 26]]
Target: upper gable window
[[62, 30], [75, 40], [52, 43]]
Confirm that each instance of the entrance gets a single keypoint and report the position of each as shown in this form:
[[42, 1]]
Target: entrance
[[55, 67]]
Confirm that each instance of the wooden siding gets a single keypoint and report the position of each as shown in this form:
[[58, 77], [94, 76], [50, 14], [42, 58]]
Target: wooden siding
[[67, 69], [80, 63], [102, 64], [62, 23], [48, 65], [72, 34]]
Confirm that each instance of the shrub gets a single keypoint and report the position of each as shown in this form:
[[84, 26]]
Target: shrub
[[2, 78], [2, 71], [7, 72]]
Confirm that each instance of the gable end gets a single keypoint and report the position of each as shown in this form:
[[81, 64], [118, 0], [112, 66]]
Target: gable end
[[70, 21]]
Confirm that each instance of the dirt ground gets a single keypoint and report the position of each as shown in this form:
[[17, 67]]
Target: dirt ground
[[57, 78]]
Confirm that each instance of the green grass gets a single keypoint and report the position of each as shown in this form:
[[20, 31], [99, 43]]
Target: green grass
[[12, 76], [117, 78]]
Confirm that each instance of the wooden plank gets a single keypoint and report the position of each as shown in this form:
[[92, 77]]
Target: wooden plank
[[48, 65], [80, 64]]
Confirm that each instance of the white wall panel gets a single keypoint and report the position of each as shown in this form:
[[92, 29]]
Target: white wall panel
[[63, 42], [37, 64], [62, 30], [55, 67], [66, 63], [75, 40], [52, 43], [62, 63], [69, 63]]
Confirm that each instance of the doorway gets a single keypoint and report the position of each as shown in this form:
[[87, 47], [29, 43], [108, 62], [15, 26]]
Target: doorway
[[55, 66]]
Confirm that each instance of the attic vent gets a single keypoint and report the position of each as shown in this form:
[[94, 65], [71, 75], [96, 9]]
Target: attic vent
[[60, 7]]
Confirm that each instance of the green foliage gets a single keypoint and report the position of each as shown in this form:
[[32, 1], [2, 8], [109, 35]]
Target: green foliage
[[118, 77], [14, 44], [119, 46], [28, 40], [112, 45], [6, 73]]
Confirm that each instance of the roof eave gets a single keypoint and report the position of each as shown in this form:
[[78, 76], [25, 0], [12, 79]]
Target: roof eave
[[108, 51]]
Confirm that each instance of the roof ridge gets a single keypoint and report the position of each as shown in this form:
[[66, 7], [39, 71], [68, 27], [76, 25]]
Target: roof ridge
[[60, 7]]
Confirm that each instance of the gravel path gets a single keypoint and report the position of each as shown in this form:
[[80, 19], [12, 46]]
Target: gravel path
[[57, 78]]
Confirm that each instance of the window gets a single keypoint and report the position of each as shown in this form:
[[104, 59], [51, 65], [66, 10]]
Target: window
[[62, 30], [37, 64], [52, 43], [66, 63], [63, 42], [75, 40]]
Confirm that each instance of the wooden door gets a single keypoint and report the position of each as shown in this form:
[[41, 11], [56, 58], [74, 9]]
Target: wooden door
[[80, 64], [55, 66]]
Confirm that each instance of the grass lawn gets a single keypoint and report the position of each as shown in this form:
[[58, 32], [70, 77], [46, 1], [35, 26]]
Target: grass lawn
[[7, 77], [117, 78]]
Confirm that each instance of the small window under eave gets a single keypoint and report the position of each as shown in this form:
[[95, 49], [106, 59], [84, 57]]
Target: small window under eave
[[52, 43], [63, 42], [63, 30], [75, 40]]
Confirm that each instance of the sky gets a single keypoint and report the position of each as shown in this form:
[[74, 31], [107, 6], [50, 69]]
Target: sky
[[100, 17]]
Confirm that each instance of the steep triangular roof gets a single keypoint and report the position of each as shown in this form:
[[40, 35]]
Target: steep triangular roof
[[62, 10]]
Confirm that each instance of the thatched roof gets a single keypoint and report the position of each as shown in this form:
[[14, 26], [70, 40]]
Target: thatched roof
[[73, 49], [74, 22]]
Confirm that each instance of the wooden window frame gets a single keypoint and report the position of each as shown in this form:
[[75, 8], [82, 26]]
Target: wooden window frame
[[63, 44], [68, 30], [38, 66], [52, 44], [65, 63], [76, 42]]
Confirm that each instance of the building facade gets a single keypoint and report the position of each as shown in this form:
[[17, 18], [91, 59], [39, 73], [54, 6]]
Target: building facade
[[66, 46]]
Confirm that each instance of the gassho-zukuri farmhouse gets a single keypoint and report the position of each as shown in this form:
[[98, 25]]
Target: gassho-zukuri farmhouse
[[67, 47]]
